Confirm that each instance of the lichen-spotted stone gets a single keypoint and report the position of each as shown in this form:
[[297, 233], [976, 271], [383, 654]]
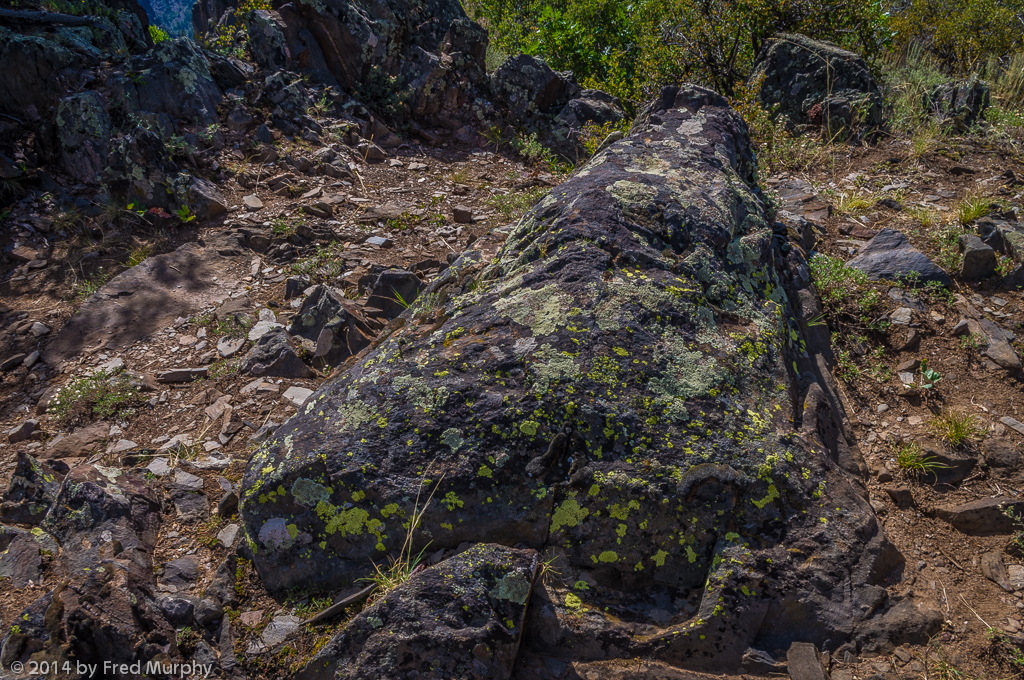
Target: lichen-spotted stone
[[617, 385]]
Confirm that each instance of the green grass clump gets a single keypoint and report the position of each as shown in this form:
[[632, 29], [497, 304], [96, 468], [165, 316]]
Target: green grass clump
[[911, 457], [514, 204], [956, 426], [973, 207]]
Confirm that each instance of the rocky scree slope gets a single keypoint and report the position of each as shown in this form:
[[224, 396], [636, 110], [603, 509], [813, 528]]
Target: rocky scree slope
[[626, 385]]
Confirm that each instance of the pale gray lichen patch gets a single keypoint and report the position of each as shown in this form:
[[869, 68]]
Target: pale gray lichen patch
[[514, 586], [542, 309], [453, 438], [308, 493], [549, 364]]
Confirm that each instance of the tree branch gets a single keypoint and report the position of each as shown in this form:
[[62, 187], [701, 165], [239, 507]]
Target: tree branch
[[44, 17]]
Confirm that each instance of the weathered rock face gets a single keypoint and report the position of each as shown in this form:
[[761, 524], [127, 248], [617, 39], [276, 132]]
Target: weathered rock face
[[810, 81], [618, 386], [426, 51], [889, 255], [460, 619], [962, 102], [543, 101], [106, 522], [32, 491]]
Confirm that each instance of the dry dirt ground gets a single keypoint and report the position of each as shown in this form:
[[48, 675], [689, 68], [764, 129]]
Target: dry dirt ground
[[410, 199]]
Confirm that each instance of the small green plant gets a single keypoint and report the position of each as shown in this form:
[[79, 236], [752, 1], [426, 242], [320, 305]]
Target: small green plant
[[972, 207], [319, 108], [139, 252], [846, 369], [87, 286], [938, 292], [929, 376], [851, 204], [956, 426], [877, 368], [514, 204], [178, 147], [1017, 540], [240, 576], [208, 133], [282, 227], [311, 606], [157, 34], [185, 214], [947, 240], [402, 222], [1005, 265], [535, 153], [101, 395], [911, 458], [223, 368], [187, 639], [1005, 648], [593, 135], [326, 264], [974, 342]]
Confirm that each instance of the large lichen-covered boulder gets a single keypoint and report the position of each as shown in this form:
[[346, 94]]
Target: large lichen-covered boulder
[[35, 73], [809, 80], [625, 384], [460, 619]]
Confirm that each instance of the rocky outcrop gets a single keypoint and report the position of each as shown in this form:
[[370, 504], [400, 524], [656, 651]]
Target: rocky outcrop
[[463, 618], [962, 102], [625, 385], [106, 523], [810, 81], [550, 104]]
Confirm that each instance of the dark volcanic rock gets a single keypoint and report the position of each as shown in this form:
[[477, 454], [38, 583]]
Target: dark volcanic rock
[[460, 619], [803, 77], [274, 355], [890, 256], [336, 325], [32, 491], [963, 102], [106, 521], [394, 291], [617, 384], [550, 103]]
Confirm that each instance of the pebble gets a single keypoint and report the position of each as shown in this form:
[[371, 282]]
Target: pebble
[[882, 408], [252, 202], [902, 316]]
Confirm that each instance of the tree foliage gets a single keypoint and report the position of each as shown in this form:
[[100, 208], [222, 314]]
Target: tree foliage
[[632, 47]]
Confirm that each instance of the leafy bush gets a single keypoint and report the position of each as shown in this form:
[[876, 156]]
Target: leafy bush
[[632, 49], [157, 34], [962, 34]]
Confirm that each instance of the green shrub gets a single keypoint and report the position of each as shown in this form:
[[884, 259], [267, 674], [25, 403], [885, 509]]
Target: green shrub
[[157, 34], [632, 49], [962, 34]]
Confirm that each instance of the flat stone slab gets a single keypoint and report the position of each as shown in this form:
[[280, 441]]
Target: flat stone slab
[[143, 299], [890, 256], [297, 395]]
